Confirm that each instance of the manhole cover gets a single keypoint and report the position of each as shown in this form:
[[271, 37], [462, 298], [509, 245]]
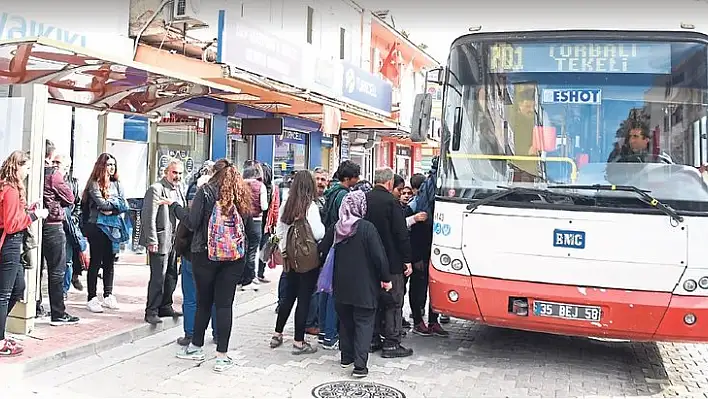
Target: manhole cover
[[356, 389]]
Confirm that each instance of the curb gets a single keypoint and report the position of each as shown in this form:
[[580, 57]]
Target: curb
[[126, 336], [129, 335]]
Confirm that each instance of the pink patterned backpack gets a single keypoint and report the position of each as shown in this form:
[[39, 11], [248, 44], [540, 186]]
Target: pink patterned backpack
[[225, 236]]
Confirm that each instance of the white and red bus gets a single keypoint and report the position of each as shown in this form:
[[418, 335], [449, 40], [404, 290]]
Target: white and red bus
[[570, 193]]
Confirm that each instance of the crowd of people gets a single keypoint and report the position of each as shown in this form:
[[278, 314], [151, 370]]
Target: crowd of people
[[350, 250]]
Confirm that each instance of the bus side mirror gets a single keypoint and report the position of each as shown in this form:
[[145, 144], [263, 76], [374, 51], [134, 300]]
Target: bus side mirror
[[420, 122]]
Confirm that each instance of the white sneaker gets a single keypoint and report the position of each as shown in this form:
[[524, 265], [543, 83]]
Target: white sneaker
[[94, 305], [110, 302]]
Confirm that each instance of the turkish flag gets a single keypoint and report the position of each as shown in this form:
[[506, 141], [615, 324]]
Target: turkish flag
[[389, 69]]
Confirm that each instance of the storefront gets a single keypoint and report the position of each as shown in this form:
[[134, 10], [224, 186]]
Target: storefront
[[326, 156], [290, 153], [404, 164], [185, 135], [238, 147]]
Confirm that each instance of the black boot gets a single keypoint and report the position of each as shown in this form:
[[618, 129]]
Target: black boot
[[152, 319], [396, 351]]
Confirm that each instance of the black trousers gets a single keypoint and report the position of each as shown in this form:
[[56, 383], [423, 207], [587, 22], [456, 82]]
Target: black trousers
[[356, 325], [216, 286], [300, 287], [102, 257], [9, 269], [54, 253], [163, 281], [390, 315], [419, 293]]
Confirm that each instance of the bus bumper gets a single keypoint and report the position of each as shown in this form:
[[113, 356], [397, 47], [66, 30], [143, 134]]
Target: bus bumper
[[626, 315]]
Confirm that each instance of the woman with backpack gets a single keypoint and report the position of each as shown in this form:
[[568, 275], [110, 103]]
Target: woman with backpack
[[14, 220], [220, 217], [299, 229]]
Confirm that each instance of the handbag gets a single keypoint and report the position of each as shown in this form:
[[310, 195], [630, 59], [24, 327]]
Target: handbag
[[270, 247], [324, 281], [28, 259]]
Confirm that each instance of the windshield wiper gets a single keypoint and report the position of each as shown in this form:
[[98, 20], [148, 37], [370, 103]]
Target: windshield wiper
[[517, 190], [643, 195]]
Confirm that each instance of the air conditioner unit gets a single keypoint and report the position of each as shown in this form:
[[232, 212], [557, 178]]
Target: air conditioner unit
[[187, 11]]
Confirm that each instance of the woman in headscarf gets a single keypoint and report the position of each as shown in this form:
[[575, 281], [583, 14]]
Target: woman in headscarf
[[360, 272]]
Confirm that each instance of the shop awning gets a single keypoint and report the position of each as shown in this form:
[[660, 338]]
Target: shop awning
[[273, 98], [84, 78]]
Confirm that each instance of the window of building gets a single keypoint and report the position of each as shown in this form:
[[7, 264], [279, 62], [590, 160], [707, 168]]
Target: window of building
[[290, 153], [310, 24], [342, 43]]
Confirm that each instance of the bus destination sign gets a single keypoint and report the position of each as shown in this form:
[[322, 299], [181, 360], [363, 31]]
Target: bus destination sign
[[634, 58]]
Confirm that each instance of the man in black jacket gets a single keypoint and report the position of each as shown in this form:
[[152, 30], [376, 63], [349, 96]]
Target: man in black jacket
[[384, 211]]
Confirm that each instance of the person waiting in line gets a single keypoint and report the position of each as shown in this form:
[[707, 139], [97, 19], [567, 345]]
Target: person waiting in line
[[266, 229], [302, 272], [76, 244], [253, 176], [347, 176], [421, 236], [384, 211], [14, 221], [56, 195], [103, 191], [223, 204], [159, 225], [322, 183], [360, 272], [183, 249]]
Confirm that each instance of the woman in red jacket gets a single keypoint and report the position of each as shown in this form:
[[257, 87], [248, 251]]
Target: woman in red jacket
[[14, 220]]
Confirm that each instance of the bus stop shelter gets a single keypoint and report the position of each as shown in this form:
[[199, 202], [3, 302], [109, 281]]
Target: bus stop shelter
[[38, 71]]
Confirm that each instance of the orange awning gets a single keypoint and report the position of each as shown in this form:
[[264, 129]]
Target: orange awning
[[276, 99]]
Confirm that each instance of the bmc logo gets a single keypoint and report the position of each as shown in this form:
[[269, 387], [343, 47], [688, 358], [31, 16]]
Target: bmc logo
[[569, 239]]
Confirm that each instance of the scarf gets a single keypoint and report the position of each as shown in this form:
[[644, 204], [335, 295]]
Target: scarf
[[352, 210]]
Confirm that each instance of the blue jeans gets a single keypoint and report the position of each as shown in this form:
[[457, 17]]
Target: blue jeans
[[282, 287], [69, 266], [250, 273], [327, 317], [189, 301], [313, 314]]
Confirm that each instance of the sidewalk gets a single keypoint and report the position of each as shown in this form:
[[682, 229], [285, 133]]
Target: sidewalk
[[47, 347]]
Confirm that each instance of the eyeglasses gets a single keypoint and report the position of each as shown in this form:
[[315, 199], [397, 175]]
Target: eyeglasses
[[110, 164]]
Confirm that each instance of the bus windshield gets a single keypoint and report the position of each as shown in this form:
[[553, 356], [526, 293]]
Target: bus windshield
[[534, 112]]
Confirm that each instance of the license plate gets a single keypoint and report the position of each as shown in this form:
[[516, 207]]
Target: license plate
[[566, 311]]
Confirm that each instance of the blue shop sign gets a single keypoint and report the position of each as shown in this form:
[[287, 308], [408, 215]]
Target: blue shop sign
[[292, 137], [15, 26], [367, 89], [246, 47]]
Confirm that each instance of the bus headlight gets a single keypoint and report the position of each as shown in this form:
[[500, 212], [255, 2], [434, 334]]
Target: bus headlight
[[457, 264], [690, 285], [703, 282], [445, 259]]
